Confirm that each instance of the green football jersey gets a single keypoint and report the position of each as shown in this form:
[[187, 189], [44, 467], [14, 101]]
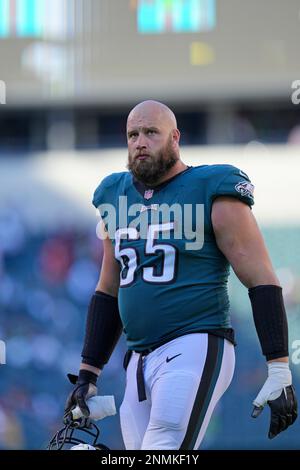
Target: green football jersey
[[173, 277]]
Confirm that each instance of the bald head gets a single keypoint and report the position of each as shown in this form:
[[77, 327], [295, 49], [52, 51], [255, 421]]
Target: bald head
[[153, 142], [153, 111]]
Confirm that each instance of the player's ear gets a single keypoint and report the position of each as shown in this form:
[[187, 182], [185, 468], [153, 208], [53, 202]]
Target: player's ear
[[175, 136]]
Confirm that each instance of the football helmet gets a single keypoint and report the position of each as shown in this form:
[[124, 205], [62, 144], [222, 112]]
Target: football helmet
[[81, 434]]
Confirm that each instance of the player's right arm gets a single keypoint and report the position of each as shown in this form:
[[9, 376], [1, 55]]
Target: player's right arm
[[108, 283], [103, 330]]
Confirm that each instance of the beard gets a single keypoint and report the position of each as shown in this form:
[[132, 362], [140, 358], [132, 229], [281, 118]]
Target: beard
[[155, 166]]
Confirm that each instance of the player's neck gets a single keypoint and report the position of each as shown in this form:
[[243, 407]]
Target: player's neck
[[177, 168]]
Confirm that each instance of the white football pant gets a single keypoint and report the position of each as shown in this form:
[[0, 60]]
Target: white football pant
[[184, 380]]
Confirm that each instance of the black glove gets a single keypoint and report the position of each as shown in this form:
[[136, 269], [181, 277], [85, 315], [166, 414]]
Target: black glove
[[85, 388], [283, 411], [279, 394]]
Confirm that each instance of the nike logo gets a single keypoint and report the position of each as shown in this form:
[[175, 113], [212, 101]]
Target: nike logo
[[173, 357]]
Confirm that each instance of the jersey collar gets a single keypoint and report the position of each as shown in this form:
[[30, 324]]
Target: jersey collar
[[148, 192]]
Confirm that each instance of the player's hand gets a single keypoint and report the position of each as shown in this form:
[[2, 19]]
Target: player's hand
[[85, 388], [279, 393]]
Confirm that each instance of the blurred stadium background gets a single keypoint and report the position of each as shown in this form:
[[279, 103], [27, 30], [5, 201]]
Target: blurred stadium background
[[71, 70]]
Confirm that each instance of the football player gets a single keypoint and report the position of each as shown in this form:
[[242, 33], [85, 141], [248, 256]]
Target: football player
[[164, 283]]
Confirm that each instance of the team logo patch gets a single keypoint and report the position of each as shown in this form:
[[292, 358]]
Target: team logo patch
[[148, 193], [245, 189]]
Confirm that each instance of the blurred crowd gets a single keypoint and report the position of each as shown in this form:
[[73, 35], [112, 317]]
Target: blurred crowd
[[45, 286]]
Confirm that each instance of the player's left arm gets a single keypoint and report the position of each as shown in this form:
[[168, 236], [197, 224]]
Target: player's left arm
[[240, 240]]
